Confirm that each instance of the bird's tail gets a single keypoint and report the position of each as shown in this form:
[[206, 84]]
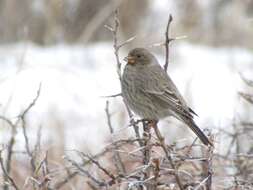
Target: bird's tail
[[198, 132]]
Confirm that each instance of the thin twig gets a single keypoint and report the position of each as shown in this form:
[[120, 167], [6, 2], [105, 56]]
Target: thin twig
[[32, 103], [115, 42], [108, 173], [208, 166], [9, 147], [147, 150], [6, 173], [85, 172], [23, 119], [126, 42], [246, 81], [112, 96], [202, 183], [117, 158], [156, 171], [167, 43], [163, 145], [106, 150]]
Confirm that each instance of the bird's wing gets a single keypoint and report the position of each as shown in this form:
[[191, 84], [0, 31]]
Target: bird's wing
[[172, 102], [164, 89]]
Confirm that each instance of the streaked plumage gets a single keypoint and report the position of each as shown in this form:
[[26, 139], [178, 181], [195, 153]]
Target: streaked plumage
[[150, 92]]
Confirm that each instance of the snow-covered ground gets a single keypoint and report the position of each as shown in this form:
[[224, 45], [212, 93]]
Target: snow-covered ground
[[74, 79]]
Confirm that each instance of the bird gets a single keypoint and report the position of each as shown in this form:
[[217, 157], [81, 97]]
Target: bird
[[150, 93]]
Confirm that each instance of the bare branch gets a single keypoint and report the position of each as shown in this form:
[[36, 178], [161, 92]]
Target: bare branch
[[208, 166], [114, 30], [247, 81], [32, 103], [9, 147], [23, 119], [167, 42], [162, 143], [247, 97], [202, 183], [126, 42], [6, 173], [112, 96], [108, 173], [117, 158], [85, 172]]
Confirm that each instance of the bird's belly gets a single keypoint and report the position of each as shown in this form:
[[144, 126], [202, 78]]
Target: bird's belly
[[143, 105]]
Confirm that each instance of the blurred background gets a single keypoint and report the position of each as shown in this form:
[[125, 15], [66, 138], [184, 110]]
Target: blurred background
[[44, 22], [64, 45]]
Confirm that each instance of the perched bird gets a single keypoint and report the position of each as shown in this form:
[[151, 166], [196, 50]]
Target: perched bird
[[151, 94]]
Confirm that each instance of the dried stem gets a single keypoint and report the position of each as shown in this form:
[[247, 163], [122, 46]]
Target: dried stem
[[208, 166], [167, 42], [146, 151], [23, 119], [163, 145], [10, 147], [6, 174], [81, 170], [107, 172], [116, 156]]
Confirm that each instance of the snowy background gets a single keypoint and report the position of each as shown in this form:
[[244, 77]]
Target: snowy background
[[75, 78]]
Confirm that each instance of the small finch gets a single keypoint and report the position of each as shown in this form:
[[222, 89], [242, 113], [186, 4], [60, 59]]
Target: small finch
[[151, 94]]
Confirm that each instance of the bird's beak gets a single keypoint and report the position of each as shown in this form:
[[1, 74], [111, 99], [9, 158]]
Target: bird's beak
[[130, 59]]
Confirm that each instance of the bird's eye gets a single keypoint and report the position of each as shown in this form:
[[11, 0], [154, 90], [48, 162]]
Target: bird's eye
[[139, 56]]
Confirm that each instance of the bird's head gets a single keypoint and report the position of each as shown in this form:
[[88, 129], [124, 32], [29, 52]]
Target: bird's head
[[140, 57]]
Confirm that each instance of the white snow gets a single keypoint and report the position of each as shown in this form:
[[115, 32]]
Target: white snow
[[74, 79]]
